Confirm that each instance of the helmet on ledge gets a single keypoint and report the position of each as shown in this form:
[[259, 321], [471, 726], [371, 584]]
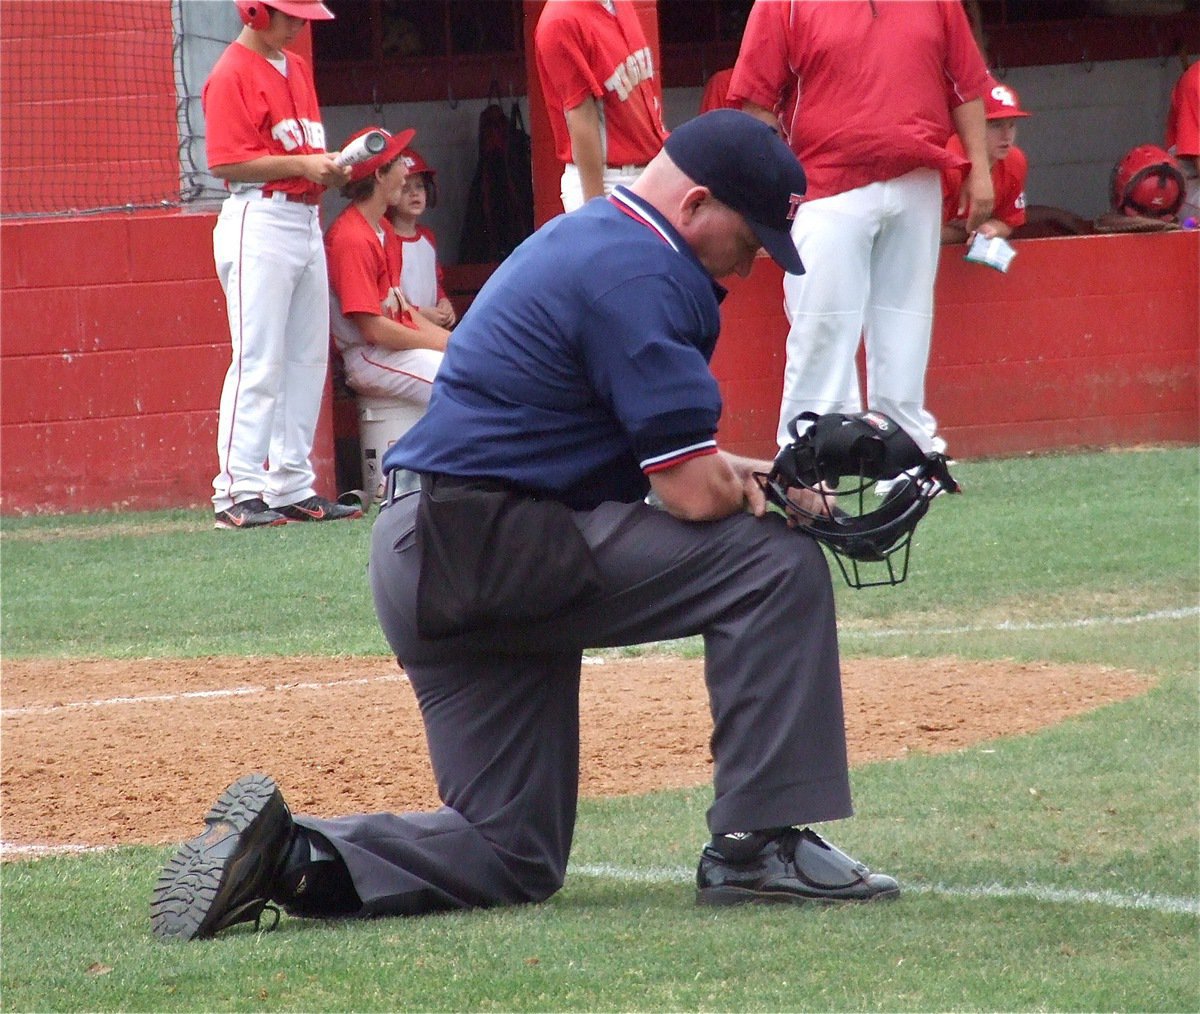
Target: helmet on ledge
[[1148, 181]]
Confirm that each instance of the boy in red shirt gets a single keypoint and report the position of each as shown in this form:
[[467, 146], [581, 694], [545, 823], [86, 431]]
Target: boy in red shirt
[[420, 272], [388, 349], [1008, 167], [866, 93], [602, 94]]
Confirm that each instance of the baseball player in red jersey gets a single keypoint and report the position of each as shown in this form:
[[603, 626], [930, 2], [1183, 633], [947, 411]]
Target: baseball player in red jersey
[[867, 92], [1183, 136], [266, 141], [602, 93], [389, 350], [1008, 167]]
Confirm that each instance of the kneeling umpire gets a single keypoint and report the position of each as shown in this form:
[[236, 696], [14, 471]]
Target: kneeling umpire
[[578, 384]]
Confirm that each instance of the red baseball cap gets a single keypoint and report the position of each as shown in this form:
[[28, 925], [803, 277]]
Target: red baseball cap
[[396, 143], [255, 16], [310, 10], [1000, 102]]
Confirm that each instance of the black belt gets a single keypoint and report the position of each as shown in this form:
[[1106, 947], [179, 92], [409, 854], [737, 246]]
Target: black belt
[[392, 490], [389, 491]]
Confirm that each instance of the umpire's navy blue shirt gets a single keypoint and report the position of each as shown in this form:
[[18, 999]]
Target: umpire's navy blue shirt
[[581, 366]]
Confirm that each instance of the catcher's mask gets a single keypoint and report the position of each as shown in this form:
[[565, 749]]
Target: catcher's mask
[[855, 527]]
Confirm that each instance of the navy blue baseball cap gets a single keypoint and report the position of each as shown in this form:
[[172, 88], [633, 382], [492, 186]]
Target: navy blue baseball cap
[[747, 166]]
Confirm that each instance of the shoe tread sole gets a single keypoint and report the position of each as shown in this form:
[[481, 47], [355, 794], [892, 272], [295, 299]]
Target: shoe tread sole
[[720, 896], [193, 895], [304, 517], [251, 521]]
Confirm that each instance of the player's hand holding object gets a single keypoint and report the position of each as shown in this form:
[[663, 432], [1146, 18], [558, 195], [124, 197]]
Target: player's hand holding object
[[321, 168], [365, 146]]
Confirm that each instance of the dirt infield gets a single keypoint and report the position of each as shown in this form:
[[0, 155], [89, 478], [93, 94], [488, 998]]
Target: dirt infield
[[106, 752]]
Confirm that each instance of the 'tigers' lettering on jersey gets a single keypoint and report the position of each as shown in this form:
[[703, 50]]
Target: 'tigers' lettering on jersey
[[293, 133], [636, 68]]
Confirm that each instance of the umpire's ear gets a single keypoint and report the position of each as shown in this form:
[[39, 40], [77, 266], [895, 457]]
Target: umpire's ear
[[692, 201]]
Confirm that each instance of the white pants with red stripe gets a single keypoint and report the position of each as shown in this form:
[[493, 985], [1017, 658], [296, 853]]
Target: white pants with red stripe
[[392, 373], [270, 259], [870, 257]]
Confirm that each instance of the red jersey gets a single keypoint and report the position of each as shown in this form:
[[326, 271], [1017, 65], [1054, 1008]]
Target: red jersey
[[363, 266], [1183, 119], [716, 92], [864, 88], [251, 110], [582, 51], [1008, 180]]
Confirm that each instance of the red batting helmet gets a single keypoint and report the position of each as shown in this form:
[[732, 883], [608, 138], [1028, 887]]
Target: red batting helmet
[[257, 13], [1148, 181], [416, 165]]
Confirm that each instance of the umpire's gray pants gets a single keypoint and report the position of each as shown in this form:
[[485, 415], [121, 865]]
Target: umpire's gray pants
[[501, 707]]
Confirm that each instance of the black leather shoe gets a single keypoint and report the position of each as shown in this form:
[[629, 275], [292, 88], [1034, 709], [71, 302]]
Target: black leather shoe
[[795, 865], [225, 875]]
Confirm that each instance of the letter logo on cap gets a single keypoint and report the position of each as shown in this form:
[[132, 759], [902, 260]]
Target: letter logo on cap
[[794, 202], [1004, 96]]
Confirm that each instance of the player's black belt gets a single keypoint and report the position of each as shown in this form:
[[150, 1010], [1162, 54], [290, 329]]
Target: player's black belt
[[393, 490]]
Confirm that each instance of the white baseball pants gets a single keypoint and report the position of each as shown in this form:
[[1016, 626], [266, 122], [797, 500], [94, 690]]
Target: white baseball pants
[[571, 189], [870, 257], [392, 373], [270, 259]]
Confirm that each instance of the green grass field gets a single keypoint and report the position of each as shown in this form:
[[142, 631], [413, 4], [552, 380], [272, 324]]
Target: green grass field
[[1058, 871]]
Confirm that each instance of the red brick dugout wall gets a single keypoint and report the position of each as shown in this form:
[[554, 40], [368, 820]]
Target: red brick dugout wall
[[1087, 341], [114, 347], [115, 344]]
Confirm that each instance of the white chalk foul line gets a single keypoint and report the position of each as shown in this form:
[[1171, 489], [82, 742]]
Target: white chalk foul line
[[187, 695], [10, 851], [1034, 892], [668, 875], [1006, 626]]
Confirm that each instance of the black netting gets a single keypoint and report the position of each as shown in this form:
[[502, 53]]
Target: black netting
[[101, 103]]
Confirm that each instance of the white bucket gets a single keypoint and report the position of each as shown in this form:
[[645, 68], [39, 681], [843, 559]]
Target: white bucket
[[381, 422]]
